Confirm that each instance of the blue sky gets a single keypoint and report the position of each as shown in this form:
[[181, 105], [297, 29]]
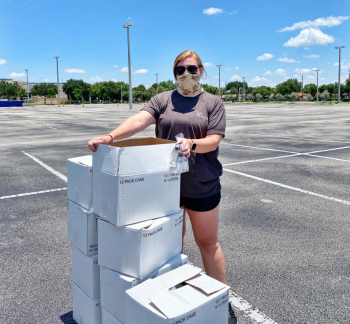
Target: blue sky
[[264, 41]]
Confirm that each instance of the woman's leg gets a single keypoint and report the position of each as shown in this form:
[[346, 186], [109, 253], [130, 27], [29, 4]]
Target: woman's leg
[[205, 231]]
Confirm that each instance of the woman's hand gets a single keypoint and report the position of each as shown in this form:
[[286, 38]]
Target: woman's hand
[[185, 147], [98, 140]]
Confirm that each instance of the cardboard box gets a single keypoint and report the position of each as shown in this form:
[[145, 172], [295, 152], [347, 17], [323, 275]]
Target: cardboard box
[[86, 273], [108, 318], [134, 181], [138, 249], [114, 285], [79, 181], [85, 310], [200, 300], [82, 231]]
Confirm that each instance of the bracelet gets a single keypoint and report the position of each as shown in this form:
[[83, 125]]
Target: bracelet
[[111, 137]]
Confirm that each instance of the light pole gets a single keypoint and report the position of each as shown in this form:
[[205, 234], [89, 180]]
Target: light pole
[[27, 89], [243, 88], [317, 81], [219, 79], [157, 82], [58, 82], [339, 47], [239, 94], [121, 91], [129, 24]]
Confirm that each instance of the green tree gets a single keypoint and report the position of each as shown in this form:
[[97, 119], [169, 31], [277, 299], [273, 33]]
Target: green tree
[[250, 97], [21, 93], [42, 88], [289, 86], [325, 95], [103, 92], [9, 89], [211, 89], [258, 97], [77, 94], [293, 96], [310, 97], [51, 93], [311, 89], [71, 84], [279, 97]]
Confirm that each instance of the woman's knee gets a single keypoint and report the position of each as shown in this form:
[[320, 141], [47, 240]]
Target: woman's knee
[[208, 246]]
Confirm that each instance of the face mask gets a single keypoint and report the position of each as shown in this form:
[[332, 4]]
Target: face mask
[[189, 84]]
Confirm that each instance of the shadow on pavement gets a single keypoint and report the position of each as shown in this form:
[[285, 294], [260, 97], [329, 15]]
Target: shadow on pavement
[[68, 318]]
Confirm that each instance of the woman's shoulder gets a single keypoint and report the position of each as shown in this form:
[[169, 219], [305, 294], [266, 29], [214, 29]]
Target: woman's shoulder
[[210, 97]]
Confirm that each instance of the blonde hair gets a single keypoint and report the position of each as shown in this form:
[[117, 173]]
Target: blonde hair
[[186, 54]]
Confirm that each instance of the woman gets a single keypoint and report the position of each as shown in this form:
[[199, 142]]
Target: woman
[[200, 116]]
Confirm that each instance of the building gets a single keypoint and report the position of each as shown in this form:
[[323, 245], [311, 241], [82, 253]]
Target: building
[[41, 100]]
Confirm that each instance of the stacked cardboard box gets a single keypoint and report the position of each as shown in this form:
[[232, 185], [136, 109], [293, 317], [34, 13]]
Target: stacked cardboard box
[[136, 196]]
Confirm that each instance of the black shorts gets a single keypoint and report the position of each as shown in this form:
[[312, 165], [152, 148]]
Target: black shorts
[[201, 204]]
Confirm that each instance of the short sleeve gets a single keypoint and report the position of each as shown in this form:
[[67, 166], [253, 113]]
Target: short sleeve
[[153, 107], [217, 119]]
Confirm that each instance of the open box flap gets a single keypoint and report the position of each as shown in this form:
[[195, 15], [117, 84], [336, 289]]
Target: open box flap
[[142, 225], [206, 284], [83, 160], [141, 141], [175, 277], [171, 304]]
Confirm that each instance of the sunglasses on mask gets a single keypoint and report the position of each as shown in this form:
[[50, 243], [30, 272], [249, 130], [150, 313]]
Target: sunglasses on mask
[[193, 69]]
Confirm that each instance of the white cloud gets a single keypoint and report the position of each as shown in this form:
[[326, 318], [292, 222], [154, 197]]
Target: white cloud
[[74, 71], [212, 11], [237, 68], [141, 71], [95, 79], [46, 80], [232, 13], [116, 66], [302, 70], [114, 80], [320, 22], [129, 18], [17, 75], [42, 75], [208, 64], [310, 77], [280, 71], [228, 68], [309, 37], [235, 77], [257, 79], [306, 48], [345, 65], [268, 73], [2, 61], [125, 69], [216, 77], [336, 64], [312, 56], [264, 57], [288, 60]]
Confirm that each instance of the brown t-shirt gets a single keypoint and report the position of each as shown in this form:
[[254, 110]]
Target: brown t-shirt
[[195, 117]]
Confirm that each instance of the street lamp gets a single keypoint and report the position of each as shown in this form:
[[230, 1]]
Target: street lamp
[[129, 24], [339, 47], [157, 82], [27, 89], [243, 88], [121, 91], [58, 84], [317, 81], [219, 79]]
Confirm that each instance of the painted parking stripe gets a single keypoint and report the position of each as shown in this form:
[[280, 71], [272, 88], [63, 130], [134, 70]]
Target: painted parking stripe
[[328, 150], [289, 187], [259, 160], [256, 147], [255, 315], [297, 138], [327, 157], [32, 193], [56, 173]]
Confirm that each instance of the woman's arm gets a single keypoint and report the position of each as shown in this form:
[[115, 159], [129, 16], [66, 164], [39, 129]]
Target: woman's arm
[[204, 145], [131, 126]]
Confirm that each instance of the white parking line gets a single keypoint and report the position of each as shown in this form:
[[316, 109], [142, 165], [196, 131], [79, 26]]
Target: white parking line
[[289, 187], [56, 173], [248, 310], [272, 158], [333, 149], [32, 193], [326, 157], [256, 147], [298, 138]]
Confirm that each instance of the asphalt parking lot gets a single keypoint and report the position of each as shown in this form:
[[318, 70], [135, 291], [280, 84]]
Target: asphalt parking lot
[[284, 219]]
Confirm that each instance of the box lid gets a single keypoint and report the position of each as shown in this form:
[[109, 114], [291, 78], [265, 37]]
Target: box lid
[[83, 160]]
